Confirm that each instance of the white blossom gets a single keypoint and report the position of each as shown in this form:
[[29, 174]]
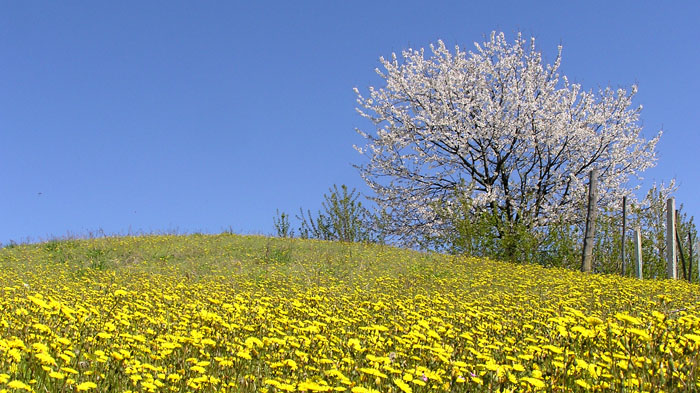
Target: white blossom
[[501, 127]]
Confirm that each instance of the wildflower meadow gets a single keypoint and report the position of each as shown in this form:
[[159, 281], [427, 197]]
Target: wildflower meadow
[[227, 313]]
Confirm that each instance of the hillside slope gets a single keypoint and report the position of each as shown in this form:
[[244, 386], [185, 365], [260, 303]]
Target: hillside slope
[[236, 313]]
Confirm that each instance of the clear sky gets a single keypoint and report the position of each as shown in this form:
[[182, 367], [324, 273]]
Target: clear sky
[[149, 116]]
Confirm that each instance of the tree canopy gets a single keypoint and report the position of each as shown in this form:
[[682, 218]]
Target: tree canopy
[[498, 128]]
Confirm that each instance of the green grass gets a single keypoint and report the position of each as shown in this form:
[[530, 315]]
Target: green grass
[[443, 316]]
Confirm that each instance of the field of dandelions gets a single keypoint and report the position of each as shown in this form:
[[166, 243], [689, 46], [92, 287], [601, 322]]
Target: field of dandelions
[[229, 313]]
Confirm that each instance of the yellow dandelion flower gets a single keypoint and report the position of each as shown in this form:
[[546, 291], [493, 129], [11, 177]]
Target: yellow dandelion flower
[[45, 358], [537, 383], [69, 370], [287, 387], [313, 386], [418, 382], [42, 327], [640, 333], [16, 384], [117, 356], [372, 371], [86, 386], [354, 344], [251, 342], [553, 348], [582, 383], [38, 301], [174, 377], [512, 378], [272, 382], [56, 375], [359, 389], [198, 369], [628, 318], [403, 385], [692, 337]]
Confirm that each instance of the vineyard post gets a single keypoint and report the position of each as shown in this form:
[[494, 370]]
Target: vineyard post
[[671, 264], [624, 231], [690, 256], [638, 251], [588, 240]]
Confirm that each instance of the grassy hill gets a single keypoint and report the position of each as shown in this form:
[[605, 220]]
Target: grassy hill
[[246, 313]]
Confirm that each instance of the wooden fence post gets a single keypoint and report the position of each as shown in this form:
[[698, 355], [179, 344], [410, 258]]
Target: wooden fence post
[[624, 232], [638, 251], [690, 256], [589, 237], [671, 264]]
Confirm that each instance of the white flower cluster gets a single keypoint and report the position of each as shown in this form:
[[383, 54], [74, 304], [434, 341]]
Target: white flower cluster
[[502, 128]]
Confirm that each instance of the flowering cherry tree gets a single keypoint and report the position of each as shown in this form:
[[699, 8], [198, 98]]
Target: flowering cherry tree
[[499, 128]]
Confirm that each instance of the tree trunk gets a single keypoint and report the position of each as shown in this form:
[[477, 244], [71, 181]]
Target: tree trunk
[[589, 238], [624, 230]]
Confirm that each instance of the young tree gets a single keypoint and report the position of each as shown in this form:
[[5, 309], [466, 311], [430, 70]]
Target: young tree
[[500, 128], [343, 218], [282, 225]]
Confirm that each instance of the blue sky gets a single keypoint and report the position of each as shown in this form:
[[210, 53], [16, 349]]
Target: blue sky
[[205, 116]]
